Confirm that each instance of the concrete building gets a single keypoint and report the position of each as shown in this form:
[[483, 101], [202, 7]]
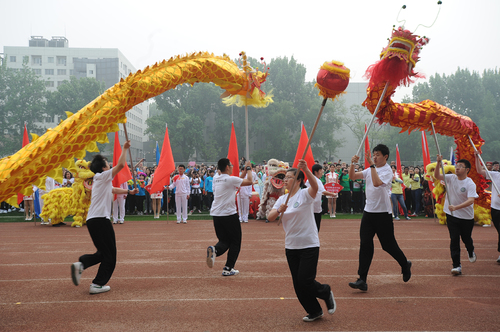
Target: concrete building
[[54, 61]]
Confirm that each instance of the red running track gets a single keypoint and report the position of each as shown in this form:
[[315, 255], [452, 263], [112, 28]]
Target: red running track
[[162, 283]]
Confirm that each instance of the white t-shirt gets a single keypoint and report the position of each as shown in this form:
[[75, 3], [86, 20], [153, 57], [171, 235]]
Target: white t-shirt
[[459, 191], [224, 187], [495, 200], [181, 185], [246, 191], [317, 199], [102, 196], [378, 199], [298, 221]]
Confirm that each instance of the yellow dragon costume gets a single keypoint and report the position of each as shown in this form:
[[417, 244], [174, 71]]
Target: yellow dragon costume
[[62, 202], [396, 66], [79, 132]]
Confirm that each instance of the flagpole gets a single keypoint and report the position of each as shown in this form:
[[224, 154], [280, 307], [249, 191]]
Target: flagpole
[[130, 155], [484, 165], [246, 133], [373, 118], [305, 151], [442, 165]]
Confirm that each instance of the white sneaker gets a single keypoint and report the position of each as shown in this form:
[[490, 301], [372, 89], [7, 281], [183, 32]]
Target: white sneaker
[[226, 272], [211, 256], [498, 260], [114, 222], [472, 258], [76, 272], [397, 218], [121, 221], [178, 221], [96, 289], [456, 271], [184, 221], [21, 210]]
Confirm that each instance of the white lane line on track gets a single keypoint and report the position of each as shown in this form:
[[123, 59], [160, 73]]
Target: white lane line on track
[[391, 298]]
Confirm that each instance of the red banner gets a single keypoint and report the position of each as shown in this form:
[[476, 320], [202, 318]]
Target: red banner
[[333, 187]]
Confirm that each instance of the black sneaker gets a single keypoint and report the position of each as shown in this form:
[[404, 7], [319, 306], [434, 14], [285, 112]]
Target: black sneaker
[[330, 304], [407, 272], [313, 317], [359, 284]]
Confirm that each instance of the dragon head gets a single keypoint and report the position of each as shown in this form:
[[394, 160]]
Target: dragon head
[[404, 45]]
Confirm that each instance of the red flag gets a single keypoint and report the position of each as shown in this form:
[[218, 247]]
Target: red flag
[[300, 150], [124, 175], [165, 167], [26, 141], [367, 148], [426, 157], [232, 154]]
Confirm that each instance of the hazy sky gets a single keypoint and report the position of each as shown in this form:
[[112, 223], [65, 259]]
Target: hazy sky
[[466, 33]]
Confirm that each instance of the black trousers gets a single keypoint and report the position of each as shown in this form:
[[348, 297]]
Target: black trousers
[[303, 264], [345, 201], [317, 218], [103, 235], [495, 216], [382, 225], [228, 231], [459, 228], [409, 200]]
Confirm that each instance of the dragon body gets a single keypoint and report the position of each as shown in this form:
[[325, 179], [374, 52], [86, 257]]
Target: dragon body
[[396, 67], [80, 131]]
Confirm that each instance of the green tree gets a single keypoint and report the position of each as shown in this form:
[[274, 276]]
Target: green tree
[[22, 100], [73, 95]]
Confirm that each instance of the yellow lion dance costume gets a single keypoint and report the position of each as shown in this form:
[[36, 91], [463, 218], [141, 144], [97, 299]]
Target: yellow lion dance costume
[[75, 201]]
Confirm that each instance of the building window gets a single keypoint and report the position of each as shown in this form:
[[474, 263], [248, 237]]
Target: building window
[[37, 71], [12, 58], [50, 59], [36, 60], [60, 83], [49, 71], [91, 72], [61, 72], [49, 84], [61, 60]]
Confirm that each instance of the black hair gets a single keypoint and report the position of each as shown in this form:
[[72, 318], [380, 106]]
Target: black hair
[[181, 165], [316, 168], [394, 166], [465, 162], [223, 163], [301, 177], [98, 163], [495, 163], [382, 149]]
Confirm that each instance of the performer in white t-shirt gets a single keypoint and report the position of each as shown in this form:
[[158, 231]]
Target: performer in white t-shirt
[[226, 222], [99, 223], [302, 241], [461, 192], [377, 216], [495, 197]]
